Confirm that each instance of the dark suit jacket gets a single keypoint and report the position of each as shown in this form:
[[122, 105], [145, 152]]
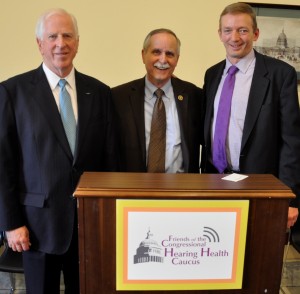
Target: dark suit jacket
[[38, 172], [271, 135], [129, 106]]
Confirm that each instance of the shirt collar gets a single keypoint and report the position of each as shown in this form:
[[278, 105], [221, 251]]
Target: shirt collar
[[53, 79], [244, 64], [150, 89]]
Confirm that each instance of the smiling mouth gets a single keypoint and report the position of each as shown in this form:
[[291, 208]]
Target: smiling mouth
[[61, 53], [160, 68], [235, 46]]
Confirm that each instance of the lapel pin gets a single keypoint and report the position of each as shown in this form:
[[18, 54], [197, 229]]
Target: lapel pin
[[180, 97]]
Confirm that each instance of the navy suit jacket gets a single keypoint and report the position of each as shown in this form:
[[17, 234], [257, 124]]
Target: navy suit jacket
[[129, 106], [271, 134], [37, 170]]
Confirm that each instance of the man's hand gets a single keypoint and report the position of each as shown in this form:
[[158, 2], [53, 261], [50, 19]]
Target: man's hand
[[292, 216], [18, 239]]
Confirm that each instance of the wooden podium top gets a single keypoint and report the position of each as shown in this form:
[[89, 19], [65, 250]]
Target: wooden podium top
[[194, 186]]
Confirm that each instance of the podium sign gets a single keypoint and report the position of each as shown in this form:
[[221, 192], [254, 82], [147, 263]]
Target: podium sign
[[180, 244]]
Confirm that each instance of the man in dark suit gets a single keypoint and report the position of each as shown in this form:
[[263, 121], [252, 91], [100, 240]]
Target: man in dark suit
[[264, 126], [134, 102], [38, 168]]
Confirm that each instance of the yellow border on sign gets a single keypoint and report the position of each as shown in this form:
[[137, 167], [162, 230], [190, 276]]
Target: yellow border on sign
[[123, 207]]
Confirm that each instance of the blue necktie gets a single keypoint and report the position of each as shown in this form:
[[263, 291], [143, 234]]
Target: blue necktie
[[222, 121], [67, 114]]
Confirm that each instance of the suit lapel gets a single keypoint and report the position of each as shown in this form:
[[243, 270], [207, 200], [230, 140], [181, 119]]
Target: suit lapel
[[257, 94], [85, 104], [210, 93], [136, 100], [181, 100], [43, 96]]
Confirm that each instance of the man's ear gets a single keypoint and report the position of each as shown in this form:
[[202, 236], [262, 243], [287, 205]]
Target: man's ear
[[143, 53], [39, 42]]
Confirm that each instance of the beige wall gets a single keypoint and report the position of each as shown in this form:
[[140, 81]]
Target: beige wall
[[112, 32]]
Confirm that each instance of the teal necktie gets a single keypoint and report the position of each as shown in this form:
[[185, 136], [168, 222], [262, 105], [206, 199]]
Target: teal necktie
[[67, 114]]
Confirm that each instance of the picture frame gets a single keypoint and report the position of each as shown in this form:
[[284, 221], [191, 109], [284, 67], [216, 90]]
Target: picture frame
[[279, 26]]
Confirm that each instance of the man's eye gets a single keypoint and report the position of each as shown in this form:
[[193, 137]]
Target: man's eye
[[156, 52], [226, 31], [243, 31], [68, 36], [170, 54], [52, 37]]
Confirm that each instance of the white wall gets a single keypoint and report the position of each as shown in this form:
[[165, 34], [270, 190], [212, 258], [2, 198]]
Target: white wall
[[112, 33]]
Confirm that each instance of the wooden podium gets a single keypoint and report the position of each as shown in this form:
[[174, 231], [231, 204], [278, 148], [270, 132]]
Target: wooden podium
[[266, 233]]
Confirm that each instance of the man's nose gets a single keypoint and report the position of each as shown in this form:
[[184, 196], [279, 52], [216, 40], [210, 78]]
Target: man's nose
[[163, 58], [235, 35], [60, 42]]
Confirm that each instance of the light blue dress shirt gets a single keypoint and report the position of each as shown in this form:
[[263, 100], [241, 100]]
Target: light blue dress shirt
[[174, 160]]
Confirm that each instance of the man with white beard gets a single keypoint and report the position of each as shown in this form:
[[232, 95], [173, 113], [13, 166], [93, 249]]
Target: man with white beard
[[134, 103]]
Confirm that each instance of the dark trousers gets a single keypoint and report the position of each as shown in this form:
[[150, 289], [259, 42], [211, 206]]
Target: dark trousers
[[43, 271]]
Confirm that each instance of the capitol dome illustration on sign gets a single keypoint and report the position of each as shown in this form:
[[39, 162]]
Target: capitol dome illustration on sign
[[149, 251]]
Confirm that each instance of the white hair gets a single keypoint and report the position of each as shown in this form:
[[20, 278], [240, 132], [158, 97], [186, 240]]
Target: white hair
[[40, 25]]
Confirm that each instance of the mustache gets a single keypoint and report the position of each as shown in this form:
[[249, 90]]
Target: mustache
[[162, 65]]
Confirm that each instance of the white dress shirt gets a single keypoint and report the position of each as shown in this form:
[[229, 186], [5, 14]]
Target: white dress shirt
[[53, 80]]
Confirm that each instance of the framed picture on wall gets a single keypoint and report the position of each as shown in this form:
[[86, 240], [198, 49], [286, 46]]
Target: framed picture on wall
[[279, 27]]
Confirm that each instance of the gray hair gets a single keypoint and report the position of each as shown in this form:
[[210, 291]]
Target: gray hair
[[40, 25], [158, 31]]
